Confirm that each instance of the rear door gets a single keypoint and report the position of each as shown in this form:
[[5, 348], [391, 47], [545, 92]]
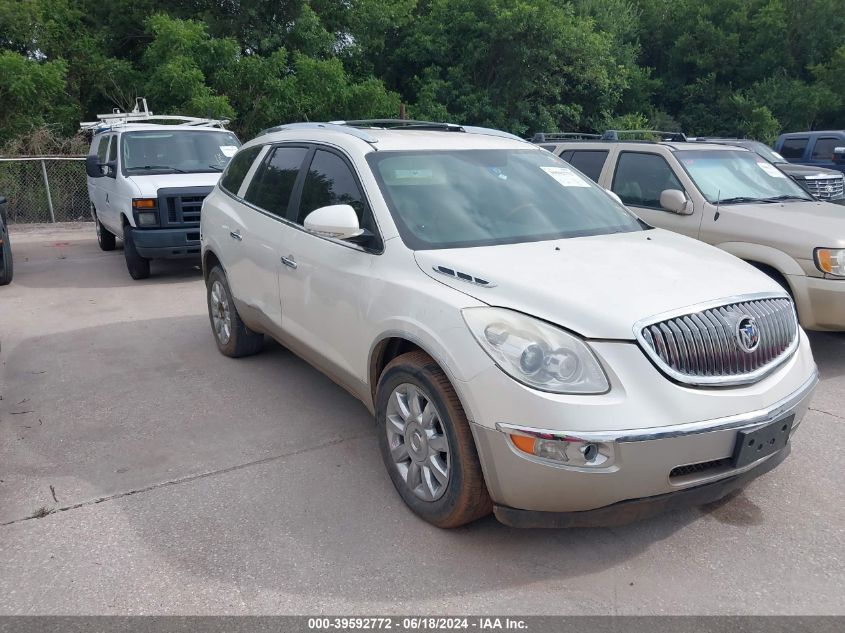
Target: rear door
[[589, 161], [794, 148], [821, 151], [639, 177], [258, 230]]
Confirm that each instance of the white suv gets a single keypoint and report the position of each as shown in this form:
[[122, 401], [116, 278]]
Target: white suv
[[527, 345]]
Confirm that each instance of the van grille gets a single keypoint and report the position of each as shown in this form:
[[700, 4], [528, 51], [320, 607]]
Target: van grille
[[708, 348], [182, 206], [831, 188]]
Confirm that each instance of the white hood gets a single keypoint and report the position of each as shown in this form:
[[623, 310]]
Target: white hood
[[150, 184], [599, 286]]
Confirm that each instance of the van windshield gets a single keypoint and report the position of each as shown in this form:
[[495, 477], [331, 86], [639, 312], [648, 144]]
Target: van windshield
[[738, 177], [176, 151], [462, 198]]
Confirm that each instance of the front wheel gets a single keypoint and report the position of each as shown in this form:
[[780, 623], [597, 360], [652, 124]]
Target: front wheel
[[427, 445], [138, 267]]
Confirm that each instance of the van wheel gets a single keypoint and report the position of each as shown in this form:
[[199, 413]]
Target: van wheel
[[232, 336], [105, 238], [427, 445], [139, 267]]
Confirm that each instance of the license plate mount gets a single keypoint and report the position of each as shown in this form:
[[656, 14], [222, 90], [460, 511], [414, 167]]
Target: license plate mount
[[762, 441]]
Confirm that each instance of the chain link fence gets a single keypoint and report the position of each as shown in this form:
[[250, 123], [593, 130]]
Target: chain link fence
[[45, 189]]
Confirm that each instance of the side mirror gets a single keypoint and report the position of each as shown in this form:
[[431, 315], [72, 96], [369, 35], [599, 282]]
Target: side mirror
[[614, 196], [839, 154], [675, 201], [93, 167], [111, 169], [337, 220]]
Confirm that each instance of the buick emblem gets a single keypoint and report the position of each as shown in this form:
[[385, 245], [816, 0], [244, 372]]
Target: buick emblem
[[747, 334]]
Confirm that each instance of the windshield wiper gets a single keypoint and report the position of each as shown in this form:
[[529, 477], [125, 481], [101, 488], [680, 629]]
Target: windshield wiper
[[741, 199], [216, 167], [152, 167], [788, 197]]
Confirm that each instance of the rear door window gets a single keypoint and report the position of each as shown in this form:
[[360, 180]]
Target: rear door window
[[272, 185], [823, 149], [589, 161], [640, 178], [237, 169], [793, 148]]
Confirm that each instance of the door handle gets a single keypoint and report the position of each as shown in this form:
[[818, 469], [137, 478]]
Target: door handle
[[235, 235], [289, 262]]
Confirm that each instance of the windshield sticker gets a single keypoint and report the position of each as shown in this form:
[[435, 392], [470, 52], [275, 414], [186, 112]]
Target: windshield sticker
[[229, 150], [566, 176], [402, 174], [770, 169]]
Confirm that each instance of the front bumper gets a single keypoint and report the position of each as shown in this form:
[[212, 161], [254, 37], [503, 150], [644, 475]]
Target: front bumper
[[699, 453], [167, 243], [820, 302]]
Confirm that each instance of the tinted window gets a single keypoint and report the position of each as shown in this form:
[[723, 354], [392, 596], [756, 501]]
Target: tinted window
[[566, 155], [330, 181], [273, 182], [235, 173], [823, 149], [590, 162], [641, 178], [793, 148], [462, 198], [103, 148]]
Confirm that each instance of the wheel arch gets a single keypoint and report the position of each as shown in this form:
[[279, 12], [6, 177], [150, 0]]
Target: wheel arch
[[209, 261]]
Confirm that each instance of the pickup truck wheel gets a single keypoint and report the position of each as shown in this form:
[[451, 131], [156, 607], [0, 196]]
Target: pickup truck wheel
[[105, 238], [233, 337], [139, 267], [6, 269], [427, 445]]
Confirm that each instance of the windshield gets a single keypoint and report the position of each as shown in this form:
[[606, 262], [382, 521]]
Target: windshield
[[452, 199], [737, 176], [177, 151]]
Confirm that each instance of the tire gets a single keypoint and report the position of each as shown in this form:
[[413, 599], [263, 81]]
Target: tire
[[233, 337], [105, 238], [463, 497], [138, 267], [6, 267]]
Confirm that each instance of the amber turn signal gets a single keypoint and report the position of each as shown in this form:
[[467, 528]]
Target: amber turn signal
[[143, 203]]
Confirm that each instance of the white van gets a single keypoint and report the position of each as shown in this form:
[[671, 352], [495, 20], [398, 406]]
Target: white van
[[147, 181]]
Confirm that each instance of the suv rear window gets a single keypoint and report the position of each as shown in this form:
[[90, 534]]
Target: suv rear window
[[793, 147], [589, 161], [235, 173]]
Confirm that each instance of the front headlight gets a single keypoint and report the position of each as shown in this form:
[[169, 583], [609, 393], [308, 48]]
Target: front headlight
[[831, 261], [535, 353]]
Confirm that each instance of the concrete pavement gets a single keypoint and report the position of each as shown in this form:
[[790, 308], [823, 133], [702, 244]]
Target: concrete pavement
[[177, 481]]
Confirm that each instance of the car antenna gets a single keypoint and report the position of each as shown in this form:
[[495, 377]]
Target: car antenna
[[718, 201]]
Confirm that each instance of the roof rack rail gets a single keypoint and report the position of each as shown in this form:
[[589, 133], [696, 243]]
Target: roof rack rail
[[545, 137], [358, 128], [141, 114], [675, 137]]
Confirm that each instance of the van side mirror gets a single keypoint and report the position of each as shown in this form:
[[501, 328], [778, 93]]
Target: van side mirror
[[337, 220], [675, 201], [93, 167]]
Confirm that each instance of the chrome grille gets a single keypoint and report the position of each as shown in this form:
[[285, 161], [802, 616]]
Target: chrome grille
[[826, 188], [703, 347]]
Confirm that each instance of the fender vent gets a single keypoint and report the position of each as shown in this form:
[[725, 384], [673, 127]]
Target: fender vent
[[470, 279]]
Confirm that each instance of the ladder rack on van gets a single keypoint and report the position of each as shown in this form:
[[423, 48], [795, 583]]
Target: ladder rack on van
[[141, 114]]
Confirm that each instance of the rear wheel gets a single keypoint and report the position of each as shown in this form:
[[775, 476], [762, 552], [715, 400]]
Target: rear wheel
[[138, 267], [105, 238], [427, 445], [232, 336]]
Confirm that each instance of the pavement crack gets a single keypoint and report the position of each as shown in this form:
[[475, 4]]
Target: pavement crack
[[42, 512], [833, 415]]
